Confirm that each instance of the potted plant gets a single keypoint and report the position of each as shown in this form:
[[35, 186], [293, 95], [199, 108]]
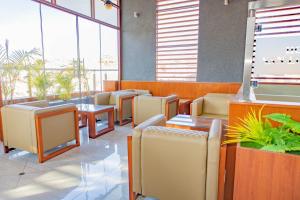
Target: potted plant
[[266, 164], [257, 131]]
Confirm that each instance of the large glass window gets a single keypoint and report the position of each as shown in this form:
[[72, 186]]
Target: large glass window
[[80, 6], [109, 53], [90, 55], [20, 46], [47, 52]]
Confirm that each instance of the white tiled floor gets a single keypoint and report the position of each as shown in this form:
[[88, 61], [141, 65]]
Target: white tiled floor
[[95, 170]]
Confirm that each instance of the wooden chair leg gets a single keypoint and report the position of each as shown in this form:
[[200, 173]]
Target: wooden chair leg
[[6, 149]]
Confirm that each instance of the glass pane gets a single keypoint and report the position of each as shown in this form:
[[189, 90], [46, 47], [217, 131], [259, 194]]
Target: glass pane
[[80, 6], [89, 53], [60, 50], [20, 42], [109, 48], [105, 15], [110, 75]]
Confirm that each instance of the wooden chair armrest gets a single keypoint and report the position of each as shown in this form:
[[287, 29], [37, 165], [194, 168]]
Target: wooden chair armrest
[[168, 103], [38, 123]]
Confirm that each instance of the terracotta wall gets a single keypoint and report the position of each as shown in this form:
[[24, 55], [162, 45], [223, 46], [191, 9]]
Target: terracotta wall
[[185, 90]]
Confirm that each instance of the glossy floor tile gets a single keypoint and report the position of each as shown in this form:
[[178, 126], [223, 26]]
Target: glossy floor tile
[[95, 170]]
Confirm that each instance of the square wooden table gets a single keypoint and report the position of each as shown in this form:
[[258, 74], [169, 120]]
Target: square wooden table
[[90, 111], [191, 122]]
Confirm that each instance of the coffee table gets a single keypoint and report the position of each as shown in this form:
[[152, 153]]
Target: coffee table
[[90, 111], [191, 122]]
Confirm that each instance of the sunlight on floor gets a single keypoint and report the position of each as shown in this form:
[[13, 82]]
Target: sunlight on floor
[[95, 170]]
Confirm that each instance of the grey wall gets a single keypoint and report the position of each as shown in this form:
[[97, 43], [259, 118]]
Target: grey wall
[[221, 40], [138, 38]]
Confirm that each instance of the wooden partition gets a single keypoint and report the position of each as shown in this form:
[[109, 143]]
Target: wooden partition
[[184, 90], [239, 176], [109, 86]]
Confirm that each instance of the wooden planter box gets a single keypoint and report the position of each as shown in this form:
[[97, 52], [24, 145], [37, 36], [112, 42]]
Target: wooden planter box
[[266, 175]]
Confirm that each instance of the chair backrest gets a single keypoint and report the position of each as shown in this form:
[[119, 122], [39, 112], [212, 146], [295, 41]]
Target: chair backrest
[[218, 104], [158, 120], [39, 104], [173, 163], [213, 159], [113, 96], [146, 107]]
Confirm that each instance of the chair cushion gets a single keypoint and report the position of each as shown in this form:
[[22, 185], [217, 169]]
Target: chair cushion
[[173, 163], [217, 104], [146, 107]]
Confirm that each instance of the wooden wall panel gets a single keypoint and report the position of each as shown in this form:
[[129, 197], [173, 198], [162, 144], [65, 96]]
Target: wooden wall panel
[[185, 90], [266, 175], [109, 86], [236, 172]]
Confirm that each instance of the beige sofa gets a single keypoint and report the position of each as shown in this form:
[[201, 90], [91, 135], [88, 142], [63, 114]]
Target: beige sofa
[[149, 106], [175, 164], [37, 128], [212, 105], [122, 101]]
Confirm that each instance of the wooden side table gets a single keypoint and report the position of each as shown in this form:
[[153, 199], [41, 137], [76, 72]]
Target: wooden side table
[[184, 106], [90, 111]]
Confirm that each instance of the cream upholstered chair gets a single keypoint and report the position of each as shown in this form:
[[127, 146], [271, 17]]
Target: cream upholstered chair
[[212, 105], [175, 164], [149, 106], [122, 101], [38, 128]]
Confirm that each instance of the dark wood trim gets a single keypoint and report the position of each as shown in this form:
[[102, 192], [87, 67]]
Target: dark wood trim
[[130, 179], [121, 102], [168, 104]]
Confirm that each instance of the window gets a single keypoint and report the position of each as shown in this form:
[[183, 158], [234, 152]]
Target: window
[[60, 49], [177, 40], [18, 40], [276, 46]]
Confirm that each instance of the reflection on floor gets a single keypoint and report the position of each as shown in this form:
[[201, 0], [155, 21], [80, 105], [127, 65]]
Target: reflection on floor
[[95, 170]]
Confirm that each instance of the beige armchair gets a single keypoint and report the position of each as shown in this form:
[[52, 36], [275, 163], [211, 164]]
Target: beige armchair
[[212, 105], [168, 163], [145, 107], [122, 100], [38, 128]]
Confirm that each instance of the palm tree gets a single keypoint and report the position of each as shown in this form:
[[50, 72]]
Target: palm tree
[[26, 59], [11, 66]]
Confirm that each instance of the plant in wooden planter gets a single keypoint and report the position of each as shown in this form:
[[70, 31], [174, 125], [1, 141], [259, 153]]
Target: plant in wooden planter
[[257, 131]]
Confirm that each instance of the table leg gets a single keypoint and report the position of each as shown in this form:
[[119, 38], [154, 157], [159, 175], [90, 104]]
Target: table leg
[[83, 121], [92, 124], [111, 120]]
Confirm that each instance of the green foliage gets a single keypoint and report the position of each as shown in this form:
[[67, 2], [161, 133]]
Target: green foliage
[[286, 120], [254, 132], [11, 66], [41, 81], [65, 83]]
